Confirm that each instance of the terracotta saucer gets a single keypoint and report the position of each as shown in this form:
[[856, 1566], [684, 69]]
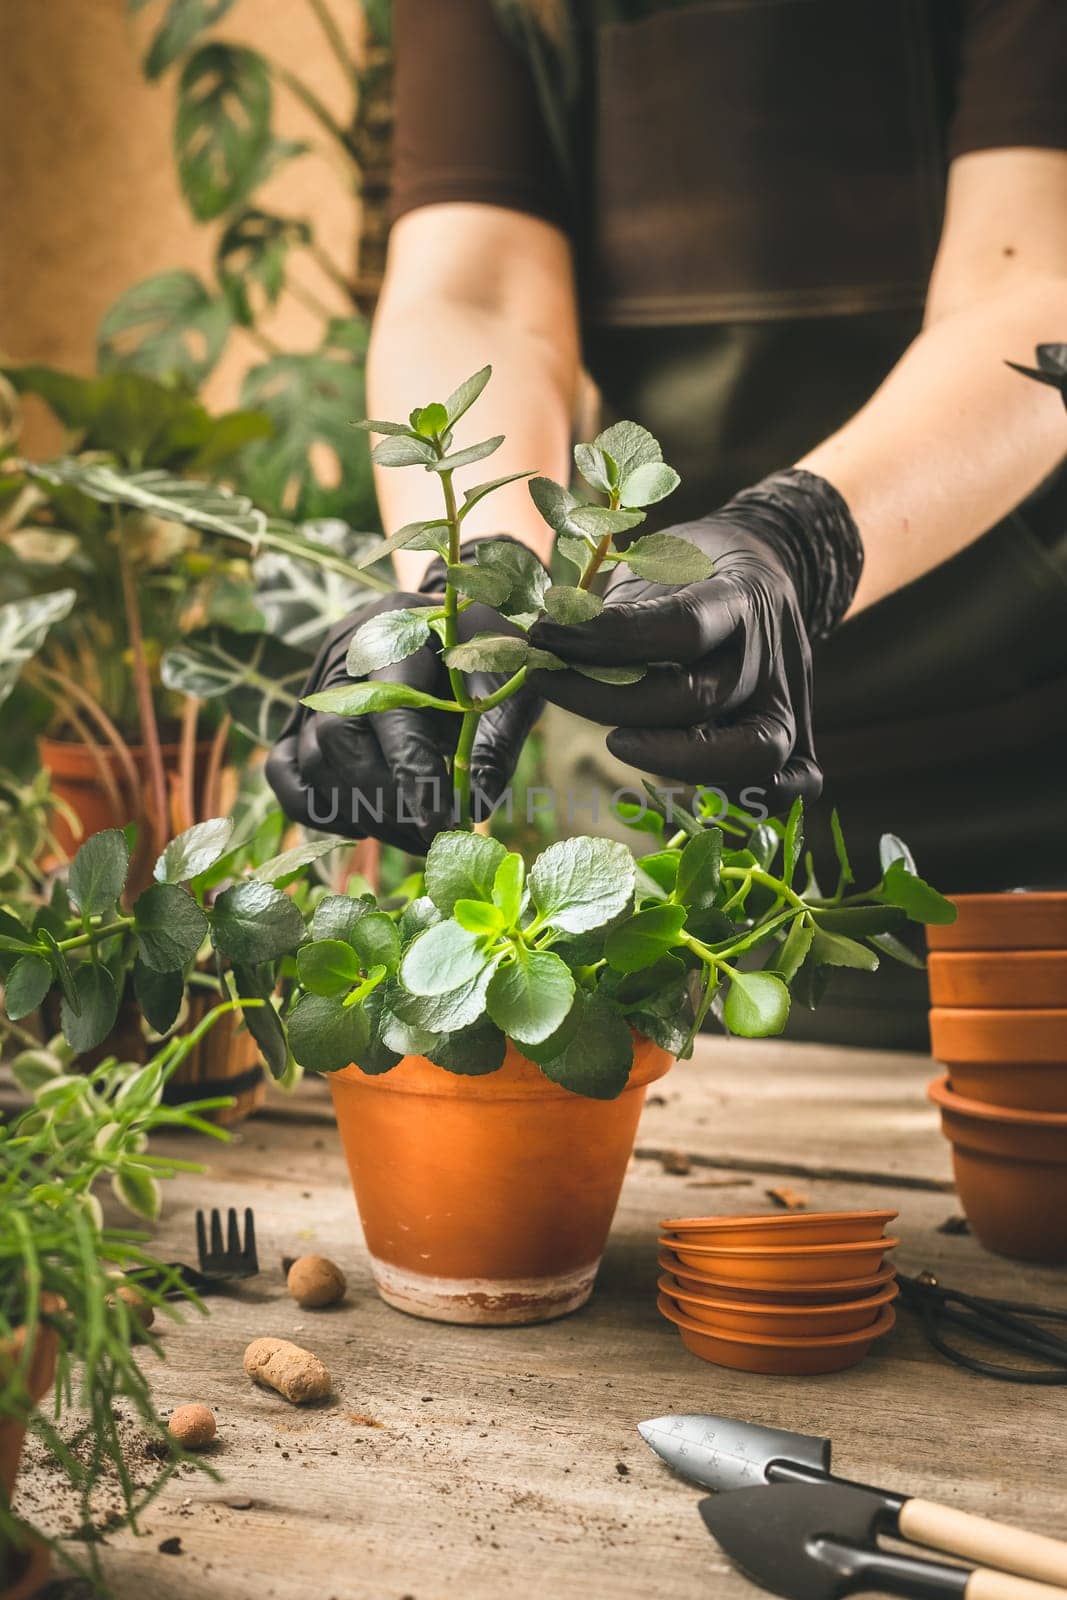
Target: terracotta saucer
[[785, 1264], [778, 1321], [781, 1357], [814, 1227], [700, 1282]]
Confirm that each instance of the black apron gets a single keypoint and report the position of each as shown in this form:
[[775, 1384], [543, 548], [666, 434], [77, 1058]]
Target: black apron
[[763, 202]]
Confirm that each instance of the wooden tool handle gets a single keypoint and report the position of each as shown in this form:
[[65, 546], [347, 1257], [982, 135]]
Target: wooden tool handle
[[990, 1544], [985, 1585]]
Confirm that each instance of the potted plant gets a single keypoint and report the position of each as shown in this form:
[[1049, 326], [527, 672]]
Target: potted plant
[[76, 1294], [489, 1035]]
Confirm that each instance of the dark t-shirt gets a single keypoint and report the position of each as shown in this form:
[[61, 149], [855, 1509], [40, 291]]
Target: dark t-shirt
[[768, 158]]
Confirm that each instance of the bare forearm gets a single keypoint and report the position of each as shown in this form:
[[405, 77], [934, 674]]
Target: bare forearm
[[953, 439], [428, 337]]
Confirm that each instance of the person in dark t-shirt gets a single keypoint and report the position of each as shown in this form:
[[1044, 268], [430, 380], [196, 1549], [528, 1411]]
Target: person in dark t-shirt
[[799, 240]]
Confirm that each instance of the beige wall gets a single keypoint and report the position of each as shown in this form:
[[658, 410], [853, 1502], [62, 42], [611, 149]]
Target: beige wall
[[89, 201]]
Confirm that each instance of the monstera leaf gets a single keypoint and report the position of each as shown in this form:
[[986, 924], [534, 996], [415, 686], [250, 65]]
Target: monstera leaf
[[24, 626], [252, 257], [317, 464], [222, 133], [257, 678], [169, 326]]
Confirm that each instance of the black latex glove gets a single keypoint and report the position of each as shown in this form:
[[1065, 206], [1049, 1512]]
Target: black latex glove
[[333, 773], [736, 709]]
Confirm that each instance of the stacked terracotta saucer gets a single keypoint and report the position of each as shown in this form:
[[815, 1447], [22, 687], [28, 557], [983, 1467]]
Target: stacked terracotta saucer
[[790, 1293]]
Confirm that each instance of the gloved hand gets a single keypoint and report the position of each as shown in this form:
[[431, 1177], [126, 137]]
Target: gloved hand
[[336, 773], [736, 710]]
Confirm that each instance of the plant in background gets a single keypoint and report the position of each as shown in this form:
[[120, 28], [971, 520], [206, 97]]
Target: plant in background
[[175, 325], [565, 961], [61, 1267]]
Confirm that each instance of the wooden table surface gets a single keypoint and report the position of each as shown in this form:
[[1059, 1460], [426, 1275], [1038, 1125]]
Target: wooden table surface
[[496, 1463]]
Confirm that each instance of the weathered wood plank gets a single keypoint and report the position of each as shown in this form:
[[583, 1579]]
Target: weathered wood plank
[[491, 1458]]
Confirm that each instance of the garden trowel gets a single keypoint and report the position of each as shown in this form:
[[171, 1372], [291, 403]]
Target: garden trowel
[[719, 1453], [820, 1541]]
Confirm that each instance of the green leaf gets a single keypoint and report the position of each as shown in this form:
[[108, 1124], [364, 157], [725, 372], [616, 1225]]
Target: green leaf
[[159, 995], [97, 1008], [446, 1013], [508, 882], [600, 521], [253, 922], [612, 674], [841, 850], [582, 883], [26, 986], [659, 869], [63, 970], [461, 866], [835, 950], [527, 578], [390, 636], [135, 1188], [596, 467], [488, 652], [479, 491], [414, 535], [431, 420], [698, 869], [251, 260], [315, 465], [859, 922], [327, 967], [326, 1036], [402, 450], [912, 894], [403, 1038], [222, 131], [529, 997], [891, 849], [257, 678], [466, 458], [597, 1060], [442, 959], [555, 503], [476, 916], [183, 21], [263, 1022], [794, 948], [336, 916], [481, 583], [565, 604], [640, 817], [630, 446], [663, 558], [756, 1005], [647, 484], [24, 626], [632, 988], [897, 950], [98, 872], [644, 937], [376, 941], [289, 865], [193, 851], [170, 927], [460, 400], [793, 840], [169, 326], [362, 699], [471, 1052]]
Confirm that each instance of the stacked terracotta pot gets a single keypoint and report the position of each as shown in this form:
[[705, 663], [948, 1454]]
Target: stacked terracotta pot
[[998, 986], [792, 1294]]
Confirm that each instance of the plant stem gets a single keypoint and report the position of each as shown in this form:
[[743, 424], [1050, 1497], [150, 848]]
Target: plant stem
[[143, 685], [322, 114], [265, 342], [768, 881], [187, 764], [461, 765], [455, 678], [336, 41], [595, 562], [505, 692], [310, 301], [110, 732], [81, 941], [210, 799], [330, 269]]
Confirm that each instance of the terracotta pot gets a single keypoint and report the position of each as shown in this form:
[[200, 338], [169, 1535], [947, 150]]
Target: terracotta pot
[[776, 1294], [486, 1199], [815, 1227], [778, 1356], [1030, 920], [1004, 978], [1011, 1174], [1015, 1059], [772, 1265], [75, 779], [31, 1564], [788, 1321]]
